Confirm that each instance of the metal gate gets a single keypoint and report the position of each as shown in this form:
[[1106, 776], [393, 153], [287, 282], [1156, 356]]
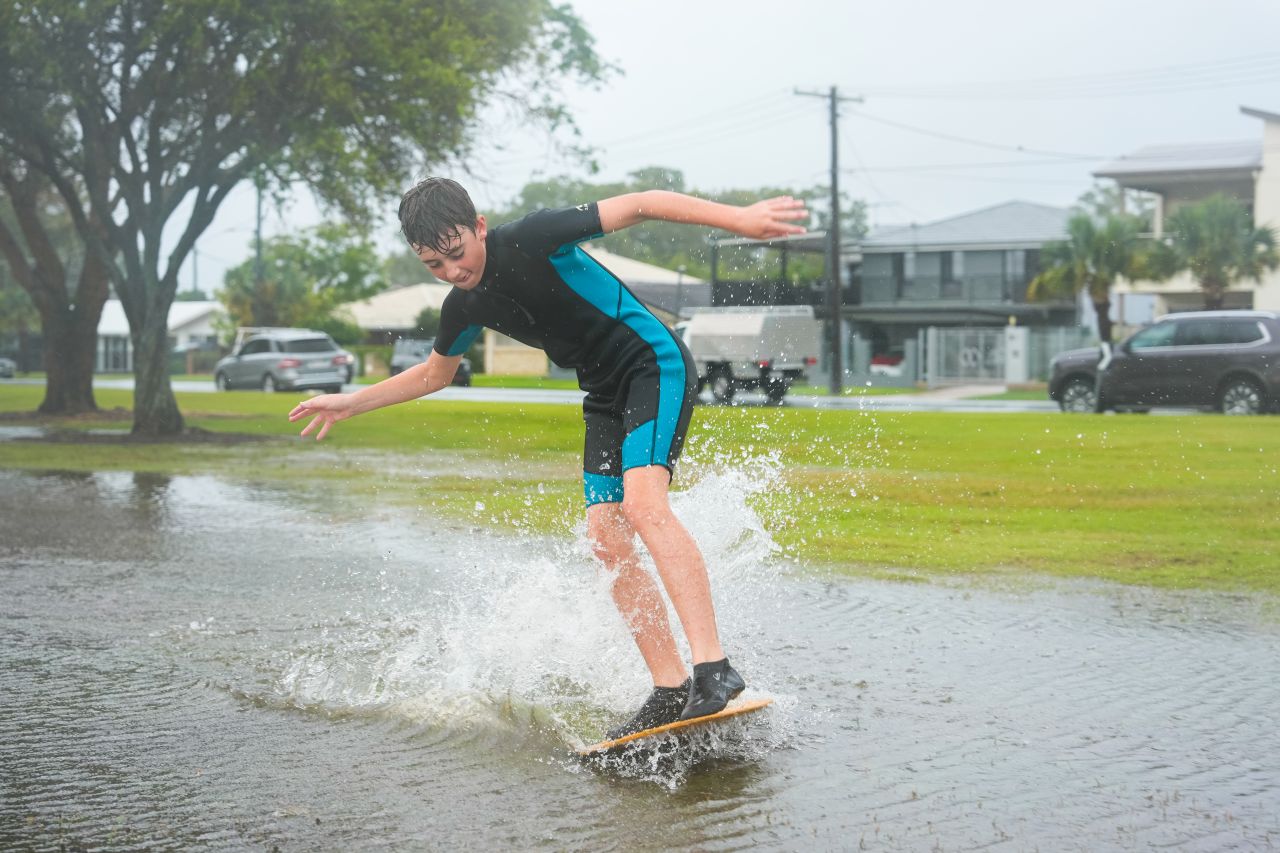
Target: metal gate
[[964, 355]]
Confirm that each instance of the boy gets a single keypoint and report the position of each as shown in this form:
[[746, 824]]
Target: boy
[[529, 280]]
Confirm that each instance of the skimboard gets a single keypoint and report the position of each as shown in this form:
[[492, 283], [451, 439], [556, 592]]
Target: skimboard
[[734, 709]]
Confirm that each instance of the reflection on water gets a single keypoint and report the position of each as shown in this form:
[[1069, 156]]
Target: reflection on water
[[185, 661]]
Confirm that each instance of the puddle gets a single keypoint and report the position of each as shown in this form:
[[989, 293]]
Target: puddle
[[186, 661]]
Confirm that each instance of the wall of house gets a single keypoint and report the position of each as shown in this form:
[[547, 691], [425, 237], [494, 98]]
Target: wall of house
[[1266, 207], [992, 276], [502, 355]]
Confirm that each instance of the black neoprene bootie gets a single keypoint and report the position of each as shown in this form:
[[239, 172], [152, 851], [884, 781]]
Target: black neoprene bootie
[[714, 684], [662, 707]]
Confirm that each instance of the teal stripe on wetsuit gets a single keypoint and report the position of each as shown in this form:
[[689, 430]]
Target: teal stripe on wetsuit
[[465, 340], [593, 283], [601, 488]]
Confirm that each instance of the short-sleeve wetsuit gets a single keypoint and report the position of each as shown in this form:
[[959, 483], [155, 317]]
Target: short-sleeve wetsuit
[[540, 288]]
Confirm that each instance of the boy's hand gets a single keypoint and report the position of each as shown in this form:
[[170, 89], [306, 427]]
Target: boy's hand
[[324, 411], [772, 217]]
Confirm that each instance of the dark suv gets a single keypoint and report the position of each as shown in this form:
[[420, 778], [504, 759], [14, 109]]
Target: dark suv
[[1223, 360]]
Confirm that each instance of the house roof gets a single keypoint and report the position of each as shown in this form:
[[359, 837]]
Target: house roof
[[632, 271], [397, 309], [1262, 114], [1239, 156], [114, 323], [1013, 224]]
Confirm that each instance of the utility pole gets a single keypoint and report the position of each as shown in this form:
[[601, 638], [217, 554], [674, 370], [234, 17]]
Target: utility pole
[[257, 240], [834, 300]]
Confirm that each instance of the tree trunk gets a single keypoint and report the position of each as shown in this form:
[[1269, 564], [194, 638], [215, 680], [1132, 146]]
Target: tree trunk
[[68, 363], [71, 344], [1103, 309], [1215, 294], [155, 411]]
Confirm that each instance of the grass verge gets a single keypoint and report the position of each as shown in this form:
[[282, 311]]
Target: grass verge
[[1182, 502]]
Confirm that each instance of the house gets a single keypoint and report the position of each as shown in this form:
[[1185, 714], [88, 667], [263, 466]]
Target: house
[[191, 328], [970, 270], [392, 314], [1177, 175]]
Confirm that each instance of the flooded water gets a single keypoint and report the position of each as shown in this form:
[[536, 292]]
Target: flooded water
[[190, 662]]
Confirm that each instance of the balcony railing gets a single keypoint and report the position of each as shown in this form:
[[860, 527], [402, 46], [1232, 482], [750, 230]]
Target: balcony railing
[[971, 289]]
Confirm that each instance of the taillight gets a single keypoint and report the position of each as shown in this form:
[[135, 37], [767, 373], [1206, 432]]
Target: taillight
[[764, 365], [286, 363], [809, 361], [342, 359]]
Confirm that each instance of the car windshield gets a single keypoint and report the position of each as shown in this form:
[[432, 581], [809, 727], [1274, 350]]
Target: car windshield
[[414, 347], [310, 345]]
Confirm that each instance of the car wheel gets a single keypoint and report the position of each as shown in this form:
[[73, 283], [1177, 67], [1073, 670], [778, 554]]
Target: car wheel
[[722, 386], [268, 383], [1078, 395], [220, 382], [776, 390], [1240, 397]]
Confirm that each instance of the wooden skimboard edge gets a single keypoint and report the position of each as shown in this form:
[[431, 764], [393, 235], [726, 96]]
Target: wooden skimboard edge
[[733, 710]]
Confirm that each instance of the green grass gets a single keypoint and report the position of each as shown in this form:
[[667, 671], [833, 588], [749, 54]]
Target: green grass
[[1183, 502], [489, 380], [852, 390]]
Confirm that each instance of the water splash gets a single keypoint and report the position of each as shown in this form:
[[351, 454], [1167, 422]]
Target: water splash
[[522, 634]]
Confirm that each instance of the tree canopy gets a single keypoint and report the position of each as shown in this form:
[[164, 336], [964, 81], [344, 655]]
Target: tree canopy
[[1216, 241], [669, 244], [304, 277], [1095, 254], [144, 115]]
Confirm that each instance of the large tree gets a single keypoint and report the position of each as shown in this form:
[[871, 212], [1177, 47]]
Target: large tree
[[1217, 242], [145, 115], [46, 259], [1091, 259]]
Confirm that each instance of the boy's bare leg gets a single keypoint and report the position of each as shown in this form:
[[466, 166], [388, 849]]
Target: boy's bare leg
[[647, 507], [635, 593]]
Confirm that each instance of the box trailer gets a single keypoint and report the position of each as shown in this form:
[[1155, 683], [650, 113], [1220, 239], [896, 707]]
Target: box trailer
[[765, 348]]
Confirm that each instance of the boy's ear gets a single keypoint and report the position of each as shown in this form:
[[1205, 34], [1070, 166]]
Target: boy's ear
[[481, 228]]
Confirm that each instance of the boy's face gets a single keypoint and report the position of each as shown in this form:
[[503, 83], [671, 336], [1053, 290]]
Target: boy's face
[[462, 263]]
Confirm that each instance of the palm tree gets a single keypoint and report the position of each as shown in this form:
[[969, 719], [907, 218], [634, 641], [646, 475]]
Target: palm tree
[[1216, 240], [1092, 257]]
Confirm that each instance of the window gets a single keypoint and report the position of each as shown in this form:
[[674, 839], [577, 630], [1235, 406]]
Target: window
[[1239, 331], [1159, 335], [311, 345], [256, 345], [1216, 331]]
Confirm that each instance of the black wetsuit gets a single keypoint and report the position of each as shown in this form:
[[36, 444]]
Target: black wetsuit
[[540, 288]]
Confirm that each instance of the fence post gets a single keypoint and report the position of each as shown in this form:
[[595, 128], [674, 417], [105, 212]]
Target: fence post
[[931, 356]]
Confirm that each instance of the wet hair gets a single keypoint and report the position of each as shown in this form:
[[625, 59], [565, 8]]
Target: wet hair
[[434, 212]]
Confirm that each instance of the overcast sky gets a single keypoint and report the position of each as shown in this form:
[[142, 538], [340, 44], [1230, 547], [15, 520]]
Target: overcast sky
[[965, 105]]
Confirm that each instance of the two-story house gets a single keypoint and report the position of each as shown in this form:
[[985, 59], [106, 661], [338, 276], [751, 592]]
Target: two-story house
[[969, 270], [1177, 175]]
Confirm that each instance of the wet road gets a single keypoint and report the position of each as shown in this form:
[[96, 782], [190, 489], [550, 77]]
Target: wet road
[[886, 403], [190, 662]]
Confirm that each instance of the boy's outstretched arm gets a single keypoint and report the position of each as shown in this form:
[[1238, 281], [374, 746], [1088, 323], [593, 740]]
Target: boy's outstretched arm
[[771, 217], [417, 381]]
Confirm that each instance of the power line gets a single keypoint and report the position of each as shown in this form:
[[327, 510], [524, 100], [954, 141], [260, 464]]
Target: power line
[[981, 143], [1256, 68]]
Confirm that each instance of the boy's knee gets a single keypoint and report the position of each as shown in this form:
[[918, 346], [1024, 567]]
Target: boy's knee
[[609, 534], [644, 512]]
